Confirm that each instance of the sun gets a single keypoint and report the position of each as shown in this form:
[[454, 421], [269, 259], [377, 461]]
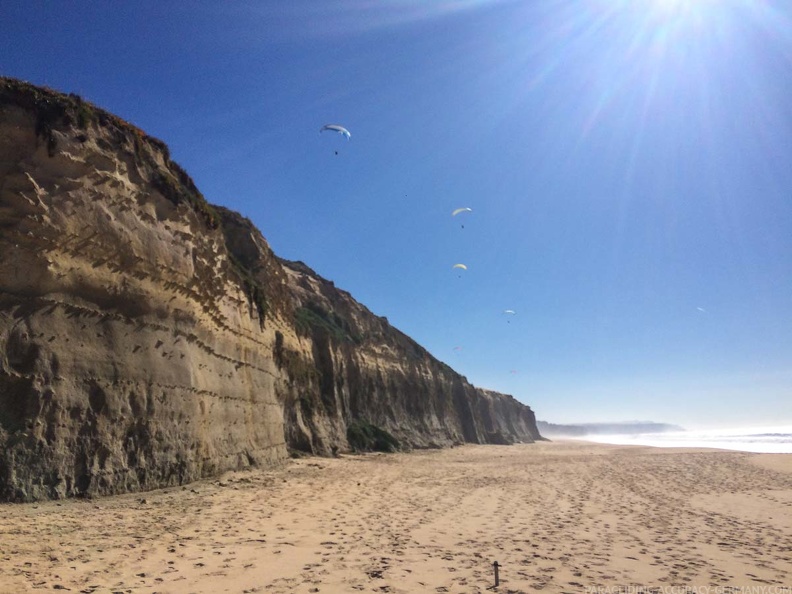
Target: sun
[[673, 4], [677, 18], [678, 7]]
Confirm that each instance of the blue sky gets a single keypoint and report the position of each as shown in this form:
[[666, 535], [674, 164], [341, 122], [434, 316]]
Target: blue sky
[[628, 163]]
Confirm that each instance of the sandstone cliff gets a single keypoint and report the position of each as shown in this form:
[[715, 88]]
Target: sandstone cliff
[[150, 339]]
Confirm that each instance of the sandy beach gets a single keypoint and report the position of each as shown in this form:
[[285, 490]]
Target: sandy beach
[[557, 517]]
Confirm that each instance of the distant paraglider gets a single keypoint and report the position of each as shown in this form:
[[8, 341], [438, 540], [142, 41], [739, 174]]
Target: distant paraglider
[[461, 210], [509, 312], [461, 266], [336, 128]]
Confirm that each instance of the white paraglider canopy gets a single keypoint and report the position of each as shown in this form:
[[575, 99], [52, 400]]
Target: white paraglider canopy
[[336, 128]]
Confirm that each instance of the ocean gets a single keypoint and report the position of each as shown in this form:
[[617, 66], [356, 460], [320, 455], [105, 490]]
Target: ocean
[[771, 440]]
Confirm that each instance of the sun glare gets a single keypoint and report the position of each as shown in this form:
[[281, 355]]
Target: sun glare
[[678, 9], [675, 5], [686, 14], [671, 4]]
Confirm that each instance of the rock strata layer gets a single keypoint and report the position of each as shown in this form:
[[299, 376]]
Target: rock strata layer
[[150, 339]]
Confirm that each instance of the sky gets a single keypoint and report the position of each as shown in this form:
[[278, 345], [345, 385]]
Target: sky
[[628, 164]]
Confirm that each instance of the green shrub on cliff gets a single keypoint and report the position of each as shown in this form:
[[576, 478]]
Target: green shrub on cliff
[[365, 437]]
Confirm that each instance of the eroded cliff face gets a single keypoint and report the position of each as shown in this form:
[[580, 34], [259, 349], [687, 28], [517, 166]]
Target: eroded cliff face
[[369, 371], [150, 339], [132, 355]]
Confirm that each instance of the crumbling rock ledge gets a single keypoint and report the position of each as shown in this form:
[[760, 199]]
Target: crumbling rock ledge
[[148, 338]]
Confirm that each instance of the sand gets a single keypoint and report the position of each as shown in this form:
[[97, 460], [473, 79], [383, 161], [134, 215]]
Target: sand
[[557, 517]]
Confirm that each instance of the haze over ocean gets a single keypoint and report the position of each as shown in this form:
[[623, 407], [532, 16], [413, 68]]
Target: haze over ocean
[[764, 439]]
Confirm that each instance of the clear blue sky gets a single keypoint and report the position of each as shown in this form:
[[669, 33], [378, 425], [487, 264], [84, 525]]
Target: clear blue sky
[[628, 163]]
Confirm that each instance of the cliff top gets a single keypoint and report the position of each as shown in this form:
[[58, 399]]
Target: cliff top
[[54, 110]]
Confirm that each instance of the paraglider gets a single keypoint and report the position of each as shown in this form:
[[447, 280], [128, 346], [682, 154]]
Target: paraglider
[[462, 266], [336, 128], [509, 312], [460, 210]]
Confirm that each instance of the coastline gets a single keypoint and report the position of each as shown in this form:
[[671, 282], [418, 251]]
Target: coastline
[[562, 516]]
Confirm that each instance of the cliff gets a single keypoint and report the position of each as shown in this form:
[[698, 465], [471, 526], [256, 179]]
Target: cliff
[[148, 338]]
